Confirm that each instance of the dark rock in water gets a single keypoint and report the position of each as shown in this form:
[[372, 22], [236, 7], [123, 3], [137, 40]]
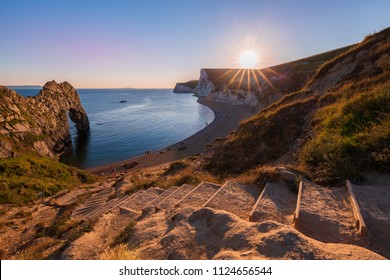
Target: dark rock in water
[[123, 101], [40, 123]]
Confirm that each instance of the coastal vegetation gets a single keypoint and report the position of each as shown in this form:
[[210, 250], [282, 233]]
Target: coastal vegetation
[[352, 135], [28, 177]]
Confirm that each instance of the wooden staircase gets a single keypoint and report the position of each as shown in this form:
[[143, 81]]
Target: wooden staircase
[[313, 209]]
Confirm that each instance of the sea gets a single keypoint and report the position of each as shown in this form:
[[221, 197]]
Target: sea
[[125, 123]]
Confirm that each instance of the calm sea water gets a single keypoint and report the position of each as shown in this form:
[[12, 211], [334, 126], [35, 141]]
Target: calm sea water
[[150, 119]]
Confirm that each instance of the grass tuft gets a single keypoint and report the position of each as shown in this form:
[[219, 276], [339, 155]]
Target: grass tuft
[[119, 252]]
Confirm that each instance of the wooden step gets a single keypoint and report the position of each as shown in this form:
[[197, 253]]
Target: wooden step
[[161, 197], [147, 196], [199, 196], [94, 202], [326, 215], [277, 202], [101, 210], [170, 201], [112, 204], [126, 211], [128, 199], [235, 197], [91, 212]]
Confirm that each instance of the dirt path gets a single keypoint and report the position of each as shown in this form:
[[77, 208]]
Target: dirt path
[[373, 197], [235, 198], [199, 195], [207, 233], [326, 215], [278, 204], [170, 201]]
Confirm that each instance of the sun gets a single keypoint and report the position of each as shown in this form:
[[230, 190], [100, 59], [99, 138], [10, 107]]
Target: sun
[[249, 59]]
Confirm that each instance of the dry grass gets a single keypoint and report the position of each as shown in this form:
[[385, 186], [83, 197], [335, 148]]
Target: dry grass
[[119, 252], [261, 139], [37, 250], [180, 172]]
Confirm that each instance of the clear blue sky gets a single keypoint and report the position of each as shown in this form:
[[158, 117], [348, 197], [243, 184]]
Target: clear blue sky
[[157, 43]]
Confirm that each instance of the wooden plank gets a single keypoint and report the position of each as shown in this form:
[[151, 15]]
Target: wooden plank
[[298, 209], [360, 224], [211, 198], [202, 189], [257, 203]]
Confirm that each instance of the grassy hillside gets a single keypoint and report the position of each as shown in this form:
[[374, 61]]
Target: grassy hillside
[[351, 135], [23, 178], [333, 133]]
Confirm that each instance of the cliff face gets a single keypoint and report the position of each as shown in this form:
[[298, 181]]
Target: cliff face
[[181, 88], [205, 86], [40, 123]]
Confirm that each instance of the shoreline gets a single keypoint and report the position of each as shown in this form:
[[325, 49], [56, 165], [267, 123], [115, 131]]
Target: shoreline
[[227, 118]]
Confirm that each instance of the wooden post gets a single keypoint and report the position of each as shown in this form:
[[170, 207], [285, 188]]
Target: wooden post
[[360, 224], [257, 203], [298, 208]]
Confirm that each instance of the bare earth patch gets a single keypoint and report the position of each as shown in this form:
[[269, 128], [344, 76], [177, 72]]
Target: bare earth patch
[[235, 198], [326, 215], [92, 244], [278, 204], [206, 233], [373, 197]]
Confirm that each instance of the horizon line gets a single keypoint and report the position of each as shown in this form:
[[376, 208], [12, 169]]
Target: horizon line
[[41, 86]]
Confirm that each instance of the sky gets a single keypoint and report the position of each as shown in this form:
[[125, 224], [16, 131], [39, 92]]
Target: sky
[[154, 44]]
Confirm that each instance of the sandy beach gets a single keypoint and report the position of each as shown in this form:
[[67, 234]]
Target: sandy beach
[[227, 118]]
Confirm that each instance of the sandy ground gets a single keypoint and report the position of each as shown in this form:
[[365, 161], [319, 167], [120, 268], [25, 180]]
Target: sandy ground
[[326, 215], [227, 118], [207, 233], [278, 204], [373, 196], [199, 195], [235, 198], [18, 235], [92, 244]]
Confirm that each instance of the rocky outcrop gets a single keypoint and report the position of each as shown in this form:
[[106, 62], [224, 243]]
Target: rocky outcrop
[[181, 88], [40, 123], [205, 86]]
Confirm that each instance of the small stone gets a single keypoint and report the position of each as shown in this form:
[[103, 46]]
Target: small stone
[[286, 175], [244, 254]]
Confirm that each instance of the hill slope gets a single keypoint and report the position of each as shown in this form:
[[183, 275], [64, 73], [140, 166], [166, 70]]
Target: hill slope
[[336, 126]]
